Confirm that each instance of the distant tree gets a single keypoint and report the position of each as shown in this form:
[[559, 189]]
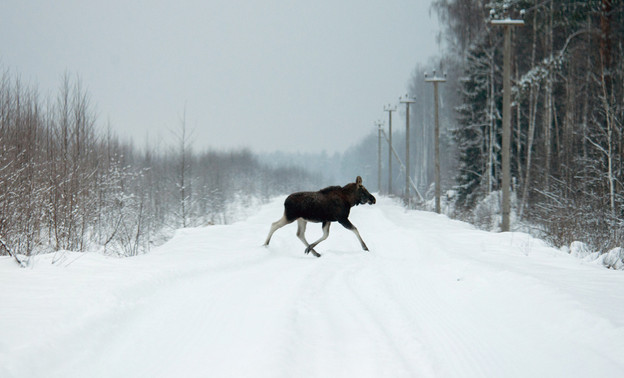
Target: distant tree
[[183, 173]]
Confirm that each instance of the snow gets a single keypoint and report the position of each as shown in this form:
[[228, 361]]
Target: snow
[[434, 298], [614, 258]]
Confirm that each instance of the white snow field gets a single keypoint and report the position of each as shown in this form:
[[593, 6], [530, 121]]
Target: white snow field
[[433, 298]]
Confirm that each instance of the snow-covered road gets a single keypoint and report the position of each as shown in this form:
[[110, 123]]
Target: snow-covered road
[[433, 298]]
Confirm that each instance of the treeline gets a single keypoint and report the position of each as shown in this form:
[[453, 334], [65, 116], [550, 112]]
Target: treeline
[[567, 112], [66, 184]]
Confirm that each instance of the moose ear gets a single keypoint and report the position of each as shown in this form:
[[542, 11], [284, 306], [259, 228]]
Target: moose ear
[[358, 180]]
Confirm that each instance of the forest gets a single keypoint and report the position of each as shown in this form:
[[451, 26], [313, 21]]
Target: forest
[[567, 111], [66, 183]]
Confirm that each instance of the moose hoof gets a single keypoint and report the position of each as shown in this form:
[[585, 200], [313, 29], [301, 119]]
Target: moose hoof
[[308, 250]]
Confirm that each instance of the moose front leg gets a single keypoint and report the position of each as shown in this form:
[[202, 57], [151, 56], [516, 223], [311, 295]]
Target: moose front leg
[[349, 226]]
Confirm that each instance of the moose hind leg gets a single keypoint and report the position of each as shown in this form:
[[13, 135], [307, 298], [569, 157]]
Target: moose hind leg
[[325, 235], [275, 226], [349, 226], [301, 227]]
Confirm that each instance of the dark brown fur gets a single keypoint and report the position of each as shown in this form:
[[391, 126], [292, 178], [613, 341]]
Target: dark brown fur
[[332, 204]]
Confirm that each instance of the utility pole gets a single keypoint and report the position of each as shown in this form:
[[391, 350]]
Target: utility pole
[[507, 23], [379, 131], [389, 109], [407, 101], [403, 168], [436, 80]]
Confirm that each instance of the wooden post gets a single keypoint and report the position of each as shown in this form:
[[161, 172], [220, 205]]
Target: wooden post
[[379, 130], [389, 109], [436, 80], [407, 101], [507, 23]]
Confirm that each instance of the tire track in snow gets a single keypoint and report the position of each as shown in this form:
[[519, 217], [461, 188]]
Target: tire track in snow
[[131, 310], [451, 346], [305, 330], [330, 339], [396, 330], [434, 288], [425, 287], [339, 332], [422, 321]]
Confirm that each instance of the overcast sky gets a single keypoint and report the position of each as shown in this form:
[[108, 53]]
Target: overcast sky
[[268, 74]]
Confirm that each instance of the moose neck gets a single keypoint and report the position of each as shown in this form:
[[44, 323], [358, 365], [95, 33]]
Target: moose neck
[[348, 192]]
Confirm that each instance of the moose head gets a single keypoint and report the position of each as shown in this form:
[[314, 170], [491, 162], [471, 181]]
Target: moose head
[[361, 194]]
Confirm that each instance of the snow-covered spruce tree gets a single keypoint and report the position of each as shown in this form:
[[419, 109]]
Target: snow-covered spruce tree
[[476, 135]]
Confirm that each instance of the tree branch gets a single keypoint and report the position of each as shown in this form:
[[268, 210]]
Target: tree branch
[[6, 247]]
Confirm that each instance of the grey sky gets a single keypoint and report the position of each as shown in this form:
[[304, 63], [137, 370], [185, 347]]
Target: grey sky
[[271, 75]]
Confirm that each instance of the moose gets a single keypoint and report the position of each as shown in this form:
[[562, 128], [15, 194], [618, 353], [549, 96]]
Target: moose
[[331, 204]]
